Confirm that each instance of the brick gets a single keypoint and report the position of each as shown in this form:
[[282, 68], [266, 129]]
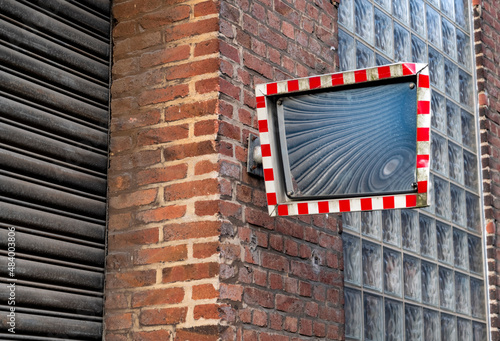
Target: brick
[[191, 29], [204, 167], [273, 337], [137, 43], [140, 159], [275, 262], [205, 250], [136, 198], [206, 127], [134, 119], [157, 297], [206, 311], [165, 55], [116, 301], [162, 214], [203, 333], [207, 85], [132, 8], [206, 208], [161, 174], [259, 318], [154, 335], [155, 136], [204, 292], [130, 279], [233, 292], [118, 321], [160, 255], [289, 304], [165, 16], [259, 297], [188, 110], [183, 151], [160, 95], [130, 239], [206, 47], [195, 68], [191, 189], [190, 272], [191, 230], [151, 317]]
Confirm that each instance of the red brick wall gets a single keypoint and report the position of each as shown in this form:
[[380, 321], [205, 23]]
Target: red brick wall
[[281, 278], [192, 251], [163, 260], [487, 37]]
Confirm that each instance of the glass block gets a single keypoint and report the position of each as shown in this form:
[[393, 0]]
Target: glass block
[[391, 226], [363, 19], [434, 2], [463, 49], [392, 272], [428, 245], [468, 130], [445, 243], [462, 293], [457, 196], [448, 327], [456, 162], [464, 330], [470, 170], [432, 325], [371, 223], [364, 56], [352, 259], [453, 118], [402, 43], [417, 16], [411, 275], [411, 235], [353, 313], [386, 4], [438, 107], [465, 86], [347, 51], [477, 298], [414, 323], [461, 249], [418, 50], [393, 320], [372, 266], [430, 189], [479, 331], [441, 197], [449, 36], [447, 8], [383, 32], [433, 27], [436, 68], [381, 60], [345, 14], [473, 218], [451, 79], [475, 254], [373, 318], [400, 10], [351, 220], [462, 13], [439, 150], [430, 284], [446, 288]]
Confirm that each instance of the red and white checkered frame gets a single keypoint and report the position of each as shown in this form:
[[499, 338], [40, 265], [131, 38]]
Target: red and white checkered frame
[[280, 205]]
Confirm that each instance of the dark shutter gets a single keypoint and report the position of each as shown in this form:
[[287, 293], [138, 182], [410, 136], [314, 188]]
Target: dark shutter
[[54, 94]]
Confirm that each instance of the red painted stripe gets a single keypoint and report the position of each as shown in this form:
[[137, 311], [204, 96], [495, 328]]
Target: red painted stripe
[[384, 72], [293, 85], [337, 79], [261, 101], [366, 204], [388, 202], [423, 81], [282, 210], [303, 208], [409, 69], [323, 207], [423, 107], [266, 150], [263, 128], [271, 199], [411, 200], [360, 76], [423, 134], [344, 206], [314, 82], [272, 88], [268, 174], [422, 161], [422, 187]]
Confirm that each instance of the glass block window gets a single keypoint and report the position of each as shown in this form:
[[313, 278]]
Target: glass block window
[[419, 274]]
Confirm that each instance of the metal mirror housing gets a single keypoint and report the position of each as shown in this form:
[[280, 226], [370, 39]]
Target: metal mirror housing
[[352, 141]]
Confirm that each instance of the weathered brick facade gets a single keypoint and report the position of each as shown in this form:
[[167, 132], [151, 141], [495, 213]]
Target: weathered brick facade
[[487, 37], [193, 253]]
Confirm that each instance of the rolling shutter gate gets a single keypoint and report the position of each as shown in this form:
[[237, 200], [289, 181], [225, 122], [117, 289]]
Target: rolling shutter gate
[[54, 85]]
